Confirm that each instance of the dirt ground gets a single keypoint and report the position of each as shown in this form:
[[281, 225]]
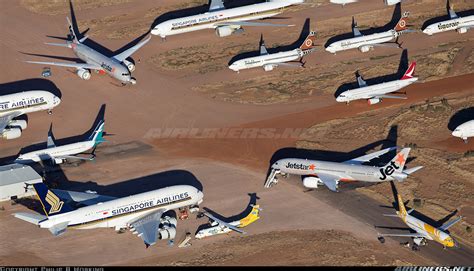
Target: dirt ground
[[184, 83]]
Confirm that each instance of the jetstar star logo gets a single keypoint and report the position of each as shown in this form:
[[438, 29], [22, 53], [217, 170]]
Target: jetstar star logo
[[400, 159], [297, 166], [312, 167]]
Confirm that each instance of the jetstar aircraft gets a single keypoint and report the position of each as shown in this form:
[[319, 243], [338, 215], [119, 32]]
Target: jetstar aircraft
[[219, 227], [375, 93], [422, 231], [460, 24], [17, 104], [117, 66], [464, 130], [225, 21], [366, 43], [141, 213], [270, 61], [317, 172]]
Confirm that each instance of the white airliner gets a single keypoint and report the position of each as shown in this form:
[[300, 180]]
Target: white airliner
[[15, 105], [59, 154], [375, 93], [141, 213], [460, 24], [344, 2], [225, 21], [270, 61], [464, 130], [316, 172], [366, 43]]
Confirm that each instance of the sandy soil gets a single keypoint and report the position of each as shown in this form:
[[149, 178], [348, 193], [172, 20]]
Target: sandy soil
[[134, 160]]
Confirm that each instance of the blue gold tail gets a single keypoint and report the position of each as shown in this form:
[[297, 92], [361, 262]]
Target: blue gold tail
[[52, 204]]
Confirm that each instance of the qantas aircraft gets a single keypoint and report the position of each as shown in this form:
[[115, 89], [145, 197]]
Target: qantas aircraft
[[375, 93], [225, 21]]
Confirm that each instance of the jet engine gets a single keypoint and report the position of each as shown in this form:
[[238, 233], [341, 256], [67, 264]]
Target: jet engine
[[311, 182], [365, 48], [58, 161], [18, 124], [224, 31], [11, 133], [419, 241], [374, 101], [268, 68], [462, 30], [83, 74], [168, 228], [130, 65]]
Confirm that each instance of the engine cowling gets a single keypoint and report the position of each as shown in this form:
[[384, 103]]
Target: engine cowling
[[22, 124], [168, 228], [462, 30], [83, 74], [268, 67], [419, 241], [58, 161], [311, 182], [224, 31], [365, 48], [374, 101], [11, 133], [130, 65], [167, 233]]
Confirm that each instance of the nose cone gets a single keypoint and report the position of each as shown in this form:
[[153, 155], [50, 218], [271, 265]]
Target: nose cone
[[156, 30], [457, 132], [56, 101], [330, 49], [428, 31], [199, 197], [234, 66]]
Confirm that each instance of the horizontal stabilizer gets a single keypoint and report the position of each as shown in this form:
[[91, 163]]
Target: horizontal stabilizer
[[59, 229], [391, 215], [58, 44], [412, 170], [30, 217]]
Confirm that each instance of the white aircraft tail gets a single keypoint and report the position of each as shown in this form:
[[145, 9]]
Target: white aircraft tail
[[71, 32], [410, 71], [398, 162]]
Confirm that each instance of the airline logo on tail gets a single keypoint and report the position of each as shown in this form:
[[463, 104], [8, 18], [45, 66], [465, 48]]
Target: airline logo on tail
[[402, 24], [54, 201], [309, 41], [401, 207], [396, 165], [409, 73]]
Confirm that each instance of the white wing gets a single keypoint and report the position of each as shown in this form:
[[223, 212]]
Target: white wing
[[5, 120], [251, 24], [356, 31], [263, 50], [216, 5], [69, 65], [390, 96], [329, 180], [403, 234], [368, 157], [122, 56], [225, 224], [452, 14], [450, 224], [147, 226], [361, 82]]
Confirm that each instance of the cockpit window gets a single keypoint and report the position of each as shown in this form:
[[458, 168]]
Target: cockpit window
[[125, 74]]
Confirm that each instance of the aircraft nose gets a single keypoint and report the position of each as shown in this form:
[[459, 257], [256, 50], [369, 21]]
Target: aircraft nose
[[56, 100], [456, 133], [155, 31]]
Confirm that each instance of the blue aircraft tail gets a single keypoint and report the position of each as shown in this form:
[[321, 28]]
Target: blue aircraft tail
[[52, 204]]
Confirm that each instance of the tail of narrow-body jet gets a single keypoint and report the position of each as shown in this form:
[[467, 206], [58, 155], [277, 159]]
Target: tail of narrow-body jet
[[402, 24], [409, 72], [402, 211], [72, 34], [309, 42], [97, 135]]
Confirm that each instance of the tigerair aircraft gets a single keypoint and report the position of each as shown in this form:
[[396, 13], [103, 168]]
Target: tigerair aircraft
[[423, 231], [142, 213], [219, 227], [316, 173], [225, 21], [460, 24]]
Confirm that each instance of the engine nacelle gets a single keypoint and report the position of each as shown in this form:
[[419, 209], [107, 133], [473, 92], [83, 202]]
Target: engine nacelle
[[167, 233], [268, 67], [224, 31], [419, 241], [462, 30], [374, 101], [11, 133], [58, 161], [365, 48], [83, 74], [311, 182], [391, 2], [22, 124], [130, 65]]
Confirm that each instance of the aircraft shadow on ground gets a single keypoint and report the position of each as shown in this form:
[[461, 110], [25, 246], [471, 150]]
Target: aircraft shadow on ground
[[30, 84], [396, 16], [244, 213], [199, 10], [402, 67], [303, 34], [461, 117], [446, 16]]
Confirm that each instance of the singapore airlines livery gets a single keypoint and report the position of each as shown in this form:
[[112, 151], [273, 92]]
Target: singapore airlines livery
[[344, 2], [225, 21], [17, 104], [141, 213], [366, 43], [460, 24], [316, 172], [375, 93], [270, 61]]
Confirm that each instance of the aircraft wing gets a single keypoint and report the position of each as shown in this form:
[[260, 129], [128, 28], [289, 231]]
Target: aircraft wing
[[250, 24], [361, 82], [329, 180], [452, 14], [356, 31], [263, 50], [81, 197], [368, 157], [70, 65], [225, 224], [450, 224], [402, 234], [390, 96], [123, 55], [386, 44], [216, 5], [147, 226], [294, 65], [75, 157], [5, 120]]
